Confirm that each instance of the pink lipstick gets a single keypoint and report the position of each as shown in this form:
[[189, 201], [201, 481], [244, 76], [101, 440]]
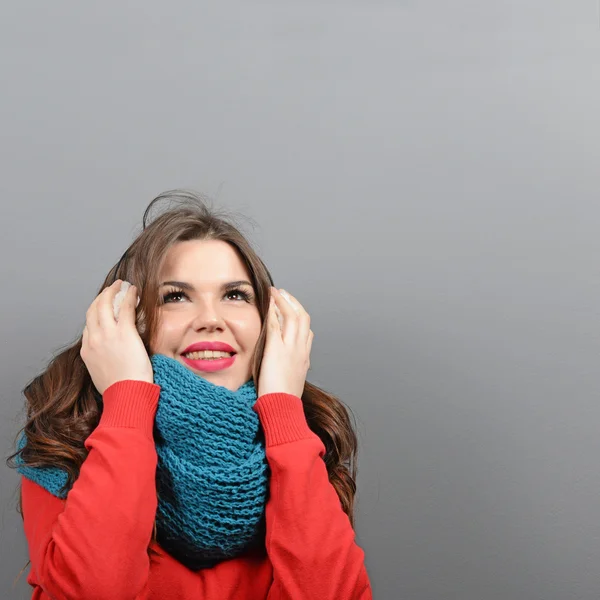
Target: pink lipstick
[[209, 365]]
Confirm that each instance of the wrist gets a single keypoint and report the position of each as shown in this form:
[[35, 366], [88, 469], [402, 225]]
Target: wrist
[[282, 418], [130, 403]]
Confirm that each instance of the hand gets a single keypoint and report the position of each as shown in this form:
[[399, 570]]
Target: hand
[[286, 358], [114, 351]]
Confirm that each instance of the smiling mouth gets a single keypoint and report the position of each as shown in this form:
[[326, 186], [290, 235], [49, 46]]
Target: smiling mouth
[[211, 364], [207, 355]]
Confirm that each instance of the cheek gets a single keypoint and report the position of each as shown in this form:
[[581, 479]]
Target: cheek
[[170, 330], [247, 330]]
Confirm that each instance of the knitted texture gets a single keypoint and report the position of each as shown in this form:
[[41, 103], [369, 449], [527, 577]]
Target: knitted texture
[[212, 472]]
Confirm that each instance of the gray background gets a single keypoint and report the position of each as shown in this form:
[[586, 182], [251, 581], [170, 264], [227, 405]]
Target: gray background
[[424, 179]]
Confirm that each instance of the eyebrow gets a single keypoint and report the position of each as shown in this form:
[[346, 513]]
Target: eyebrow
[[188, 286]]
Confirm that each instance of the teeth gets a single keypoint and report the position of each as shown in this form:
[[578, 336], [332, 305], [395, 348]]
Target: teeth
[[204, 354]]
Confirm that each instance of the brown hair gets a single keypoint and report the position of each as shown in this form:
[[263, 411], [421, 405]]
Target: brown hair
[[62, 404]]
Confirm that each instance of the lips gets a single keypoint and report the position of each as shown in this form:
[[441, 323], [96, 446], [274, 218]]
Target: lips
[[219, 346], [210, 366]]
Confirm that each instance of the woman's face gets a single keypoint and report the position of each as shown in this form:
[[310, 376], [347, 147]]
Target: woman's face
[[202, 308]]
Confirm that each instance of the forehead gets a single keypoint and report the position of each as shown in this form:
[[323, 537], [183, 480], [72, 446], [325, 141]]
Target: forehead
[[202, 260]]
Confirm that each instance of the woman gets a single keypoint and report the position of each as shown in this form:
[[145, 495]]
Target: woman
[[155, 469]]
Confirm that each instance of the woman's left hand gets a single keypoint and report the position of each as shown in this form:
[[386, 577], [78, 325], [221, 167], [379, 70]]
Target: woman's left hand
[[286, 358]]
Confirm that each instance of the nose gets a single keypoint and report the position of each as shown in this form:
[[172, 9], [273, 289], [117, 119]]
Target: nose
[[208, 316]]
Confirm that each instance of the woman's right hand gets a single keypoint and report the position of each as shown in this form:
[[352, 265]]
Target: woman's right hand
[[113, 350]]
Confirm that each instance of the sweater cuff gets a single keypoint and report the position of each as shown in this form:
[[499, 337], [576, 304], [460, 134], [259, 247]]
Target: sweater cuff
[[282, 418], [130, 403]]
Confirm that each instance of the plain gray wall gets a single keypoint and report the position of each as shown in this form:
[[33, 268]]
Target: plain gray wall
[[424, 176]]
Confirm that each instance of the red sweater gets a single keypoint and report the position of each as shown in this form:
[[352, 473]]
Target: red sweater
[[93, 545]]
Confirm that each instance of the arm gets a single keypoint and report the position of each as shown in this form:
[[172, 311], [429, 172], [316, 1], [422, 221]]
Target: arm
[[94, 543], [310, 540]]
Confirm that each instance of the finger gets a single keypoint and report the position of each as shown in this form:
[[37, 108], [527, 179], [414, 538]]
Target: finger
[[92, 316], [273, 327], [292, 301], [128, 306], [106, 315], [309, 342], [84, 342], [290, 316], [279, 316], [303, 316]]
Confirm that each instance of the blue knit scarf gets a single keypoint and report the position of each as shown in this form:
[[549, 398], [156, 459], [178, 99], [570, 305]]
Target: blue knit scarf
[[212, 473]]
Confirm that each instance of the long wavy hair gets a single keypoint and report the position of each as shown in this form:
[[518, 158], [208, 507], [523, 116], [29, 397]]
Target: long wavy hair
[[63, 407]]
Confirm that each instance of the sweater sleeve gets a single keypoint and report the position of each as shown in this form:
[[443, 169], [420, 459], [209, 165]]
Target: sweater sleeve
[[310, 541], [94, 543]]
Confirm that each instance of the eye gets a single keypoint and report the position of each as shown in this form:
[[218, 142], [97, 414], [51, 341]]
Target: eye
[[169, 298], [174, 294], [245, 295]]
